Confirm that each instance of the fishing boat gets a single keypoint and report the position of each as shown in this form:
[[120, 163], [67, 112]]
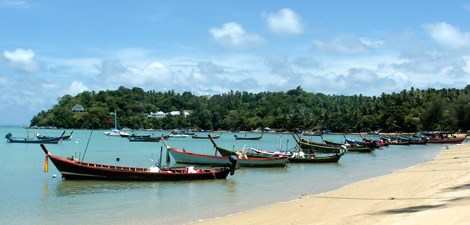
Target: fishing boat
[[310, 146], [146, 138], [248, 138], [353, 147], [74, 169], [115, 132], [414, 140], [178, 135], [205, 137], [362, 143], [249, 152], [11, 139], [186, 157], [445, 138], [61, 137], [301, 157]]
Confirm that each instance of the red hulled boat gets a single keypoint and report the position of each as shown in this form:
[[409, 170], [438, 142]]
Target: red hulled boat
[[73, 169]]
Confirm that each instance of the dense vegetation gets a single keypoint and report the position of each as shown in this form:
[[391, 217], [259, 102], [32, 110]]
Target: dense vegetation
[[409, 110]]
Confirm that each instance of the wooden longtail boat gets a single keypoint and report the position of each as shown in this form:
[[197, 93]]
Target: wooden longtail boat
[[298, 157], [352, 147], [145, 138], [11, 139], [309, 146], [456, 140], [445, 137], [73, 169], [185, 157], [249, 152], [205, 137], [61, 137], [247, 138]]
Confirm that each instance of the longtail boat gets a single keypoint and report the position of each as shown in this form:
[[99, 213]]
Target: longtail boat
[[353, 147], [310, 146], [146, 138], [250, 152], [445, 138], [247, 138], [61, 137], [186, 157], [205, 137], [11, 139], [73, 169], [301, 157]]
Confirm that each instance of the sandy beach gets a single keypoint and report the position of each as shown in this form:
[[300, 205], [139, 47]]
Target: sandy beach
[[434, 192]]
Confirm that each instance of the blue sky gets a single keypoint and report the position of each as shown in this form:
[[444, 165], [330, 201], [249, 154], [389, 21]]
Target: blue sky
[[52, 48]]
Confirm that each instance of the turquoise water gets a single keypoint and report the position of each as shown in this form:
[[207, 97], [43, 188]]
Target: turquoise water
[[30, 196]]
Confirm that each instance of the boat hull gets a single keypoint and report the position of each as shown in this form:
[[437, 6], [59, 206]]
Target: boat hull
[[447, 141], [322, 159], [199, 159], [75, 170]]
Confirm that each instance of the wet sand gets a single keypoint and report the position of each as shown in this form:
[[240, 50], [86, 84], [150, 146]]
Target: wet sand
[[434, 192]]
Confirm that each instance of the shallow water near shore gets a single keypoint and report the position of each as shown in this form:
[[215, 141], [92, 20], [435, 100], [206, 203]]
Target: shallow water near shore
[[30, 196]]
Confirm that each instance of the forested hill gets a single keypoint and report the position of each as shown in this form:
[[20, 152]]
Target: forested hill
[[409, 110]]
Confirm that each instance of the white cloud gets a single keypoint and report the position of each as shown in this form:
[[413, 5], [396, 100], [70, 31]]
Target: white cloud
[[21, 59], [447, 35], [76, 87], [284, 21], [233, 35], [348, 45]]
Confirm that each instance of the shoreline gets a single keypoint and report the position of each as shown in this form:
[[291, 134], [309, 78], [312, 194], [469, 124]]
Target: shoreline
[[432, 192]]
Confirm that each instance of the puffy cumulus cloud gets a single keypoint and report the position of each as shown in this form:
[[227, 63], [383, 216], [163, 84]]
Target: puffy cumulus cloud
[[75, 88], [21, 59], [448, 35], [348, 45], [114, 73], [234, 35], [433, 69], [284, 21]]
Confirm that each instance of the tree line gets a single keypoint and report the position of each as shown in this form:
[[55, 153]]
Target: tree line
[[408, 111]]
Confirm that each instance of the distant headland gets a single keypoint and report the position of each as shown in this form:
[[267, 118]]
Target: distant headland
[[406, 111]]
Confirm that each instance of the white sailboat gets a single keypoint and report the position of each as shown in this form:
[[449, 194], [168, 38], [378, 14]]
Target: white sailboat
[[116, 131]]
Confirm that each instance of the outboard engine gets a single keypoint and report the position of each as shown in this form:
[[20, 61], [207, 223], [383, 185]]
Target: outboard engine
[[233, 164]]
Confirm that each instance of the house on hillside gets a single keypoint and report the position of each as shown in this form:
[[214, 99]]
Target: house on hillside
[[78, 108], [157, 115], [186, 113], [175, 113]]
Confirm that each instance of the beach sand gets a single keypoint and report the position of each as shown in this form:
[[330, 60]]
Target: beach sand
[[434, 192]]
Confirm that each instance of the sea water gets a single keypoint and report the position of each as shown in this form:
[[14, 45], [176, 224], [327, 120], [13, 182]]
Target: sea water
[[30, 196]]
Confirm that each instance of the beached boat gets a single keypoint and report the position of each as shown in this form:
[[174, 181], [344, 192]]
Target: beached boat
[[301, 157], [246, 138], [62, 137], [441, 137], [74, 169], [11, 139]]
